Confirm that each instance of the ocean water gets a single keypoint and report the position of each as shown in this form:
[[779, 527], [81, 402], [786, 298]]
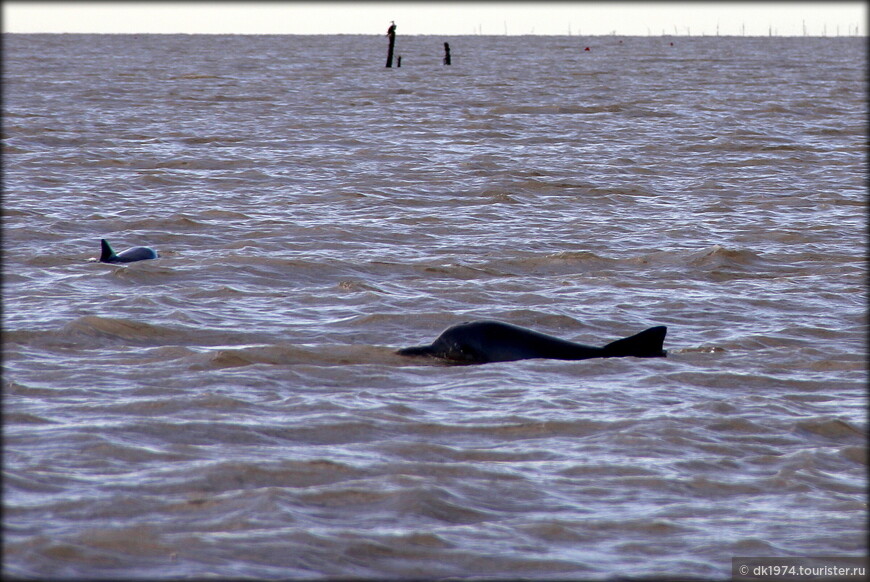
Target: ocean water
[[236, 408]]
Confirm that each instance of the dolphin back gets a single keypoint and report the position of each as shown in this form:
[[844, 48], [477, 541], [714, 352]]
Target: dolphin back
[[107, 255], [479, 342], [646, 344]]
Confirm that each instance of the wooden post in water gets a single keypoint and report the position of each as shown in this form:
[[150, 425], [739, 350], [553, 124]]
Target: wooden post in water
[[446, 53], [391, 33]]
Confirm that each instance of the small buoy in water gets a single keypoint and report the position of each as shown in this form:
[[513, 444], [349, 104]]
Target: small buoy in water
[[586, 49]]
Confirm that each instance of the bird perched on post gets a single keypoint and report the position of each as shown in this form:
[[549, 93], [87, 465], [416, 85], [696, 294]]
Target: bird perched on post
[[392, 29]]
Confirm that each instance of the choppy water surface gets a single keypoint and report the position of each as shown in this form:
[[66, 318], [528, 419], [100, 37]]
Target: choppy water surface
[[235, 407]]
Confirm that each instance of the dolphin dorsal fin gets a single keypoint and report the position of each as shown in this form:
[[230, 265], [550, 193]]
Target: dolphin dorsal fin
[[106, 251], [646, 344]]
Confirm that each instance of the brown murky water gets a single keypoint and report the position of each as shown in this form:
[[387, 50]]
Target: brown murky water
[[235, 407]]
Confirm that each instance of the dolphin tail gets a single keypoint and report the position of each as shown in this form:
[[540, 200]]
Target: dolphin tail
[[646, 344], [106, 251]]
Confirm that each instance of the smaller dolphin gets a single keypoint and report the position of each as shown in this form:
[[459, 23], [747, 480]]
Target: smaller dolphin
[[479, 342], [107, 255]]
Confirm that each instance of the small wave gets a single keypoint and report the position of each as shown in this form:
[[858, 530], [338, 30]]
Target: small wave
[[10, 150], [444, 507], [143, 272], [194, 76], [172, 223], [572, 257], [124, 329], [643, 112], [347, 496], [654, 527], [17, 212], [855, 454], [557, 532], [199, 140], [276, 355], [595, 471], [232, 475], [30, 482], [555, 109], [200, 164], [100, 547], [434, 453], [231, 215], [171, 405], [108, 452], [831, 428], [18, 389], [838, 365], [220, 292], [719, 256], [497, 195], [524, 429], [699, 350], [266, 99], [11, 418], [459, 271], [358, 286], [158, 178], [561, 263]]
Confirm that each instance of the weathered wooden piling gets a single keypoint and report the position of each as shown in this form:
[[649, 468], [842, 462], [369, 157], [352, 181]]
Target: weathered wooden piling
[[391, 33], [446, 53]]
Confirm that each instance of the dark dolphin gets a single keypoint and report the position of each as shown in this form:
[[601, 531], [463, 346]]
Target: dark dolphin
[[479, 342], [107, 255]]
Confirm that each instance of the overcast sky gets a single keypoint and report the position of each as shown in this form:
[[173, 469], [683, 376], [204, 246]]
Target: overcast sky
[[446, 18]]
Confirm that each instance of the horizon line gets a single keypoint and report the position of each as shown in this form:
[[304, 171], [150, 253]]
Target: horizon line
[[500, 35]]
